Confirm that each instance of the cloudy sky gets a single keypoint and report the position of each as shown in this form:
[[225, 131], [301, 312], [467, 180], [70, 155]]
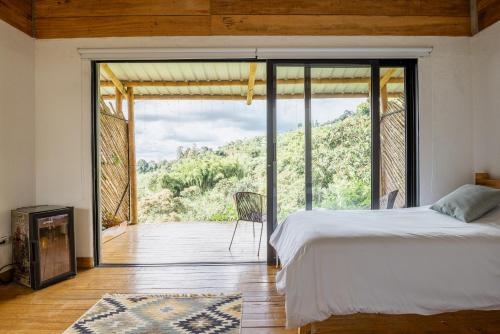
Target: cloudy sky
[[162, 126]]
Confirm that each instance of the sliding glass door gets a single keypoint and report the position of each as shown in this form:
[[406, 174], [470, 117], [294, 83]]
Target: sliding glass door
[[342, 135]]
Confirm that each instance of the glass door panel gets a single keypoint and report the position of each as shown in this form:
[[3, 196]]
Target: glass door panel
[[341, 137], [392, 137], [290, 147], [344, 136]]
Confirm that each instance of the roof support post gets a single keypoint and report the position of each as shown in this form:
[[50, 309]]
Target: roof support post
[[131, 157], [251, 82]]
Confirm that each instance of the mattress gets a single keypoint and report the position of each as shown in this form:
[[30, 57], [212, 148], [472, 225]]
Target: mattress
[[398, 261]]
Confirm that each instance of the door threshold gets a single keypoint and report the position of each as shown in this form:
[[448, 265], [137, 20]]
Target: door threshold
[[178, 264]]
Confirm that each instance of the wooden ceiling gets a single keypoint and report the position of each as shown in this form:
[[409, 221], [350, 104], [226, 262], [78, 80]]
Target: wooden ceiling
[[17, 13], [98, 18], [488, 12]]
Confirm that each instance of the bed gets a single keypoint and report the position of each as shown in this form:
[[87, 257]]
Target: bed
[[389, 266]]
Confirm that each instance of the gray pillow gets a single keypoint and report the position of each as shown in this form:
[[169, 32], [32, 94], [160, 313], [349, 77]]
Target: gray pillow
[[468, 203]]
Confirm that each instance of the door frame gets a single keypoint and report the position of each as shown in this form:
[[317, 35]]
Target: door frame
[[411, 131], [411, 122], [95, 142]]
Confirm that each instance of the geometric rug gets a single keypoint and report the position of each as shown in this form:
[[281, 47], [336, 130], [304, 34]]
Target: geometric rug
[[161, 313]]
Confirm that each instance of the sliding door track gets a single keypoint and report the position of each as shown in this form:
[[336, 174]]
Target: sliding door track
[[178, 264]]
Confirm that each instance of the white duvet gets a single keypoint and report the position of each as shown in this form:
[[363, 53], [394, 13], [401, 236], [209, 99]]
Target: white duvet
[[387, 261]]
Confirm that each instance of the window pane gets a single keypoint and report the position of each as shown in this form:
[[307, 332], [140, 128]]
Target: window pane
[[341, 137], [392, 138], [290, 140]]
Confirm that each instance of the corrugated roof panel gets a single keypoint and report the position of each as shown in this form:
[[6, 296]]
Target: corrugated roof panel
[[260, 90], [216, 71], [395, 88]]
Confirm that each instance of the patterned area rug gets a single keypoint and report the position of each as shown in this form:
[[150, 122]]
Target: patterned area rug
[[162, 313]]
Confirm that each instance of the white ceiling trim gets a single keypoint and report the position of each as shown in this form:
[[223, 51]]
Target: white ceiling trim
[[166, 53], [342, 53], [250, 53]]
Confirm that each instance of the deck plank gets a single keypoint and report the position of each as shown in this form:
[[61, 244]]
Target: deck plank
[[190, 242]]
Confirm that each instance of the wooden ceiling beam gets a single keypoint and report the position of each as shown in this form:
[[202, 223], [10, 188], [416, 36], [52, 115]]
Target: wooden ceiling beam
[[163, 83], [386, 77], [118, 103], [114, 79], [211, 83], [251, 82], [242, 97], [384, 95]]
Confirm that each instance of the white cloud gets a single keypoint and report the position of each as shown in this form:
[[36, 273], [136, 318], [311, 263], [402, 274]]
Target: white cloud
[[163, 126]]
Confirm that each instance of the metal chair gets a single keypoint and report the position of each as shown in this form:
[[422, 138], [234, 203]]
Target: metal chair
[[249, 207], [387, 201]]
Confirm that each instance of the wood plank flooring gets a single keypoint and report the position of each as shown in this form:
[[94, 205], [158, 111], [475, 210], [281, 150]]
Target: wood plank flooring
[[53, 309], [190, 242]]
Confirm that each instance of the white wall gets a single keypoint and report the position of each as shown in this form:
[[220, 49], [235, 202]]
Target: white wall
[[486, 93], [63, 152], [17, 127]]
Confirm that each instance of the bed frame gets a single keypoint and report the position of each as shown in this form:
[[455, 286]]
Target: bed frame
[[484, 322], [483, 179]]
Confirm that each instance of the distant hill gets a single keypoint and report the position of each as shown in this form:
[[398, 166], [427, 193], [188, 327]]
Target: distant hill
[[199, 184]]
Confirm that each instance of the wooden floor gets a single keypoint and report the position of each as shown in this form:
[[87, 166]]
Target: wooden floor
[[191, 242], [53, 309]]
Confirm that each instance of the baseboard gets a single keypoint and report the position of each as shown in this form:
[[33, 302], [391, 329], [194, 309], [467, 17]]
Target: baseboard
[[85, 262]]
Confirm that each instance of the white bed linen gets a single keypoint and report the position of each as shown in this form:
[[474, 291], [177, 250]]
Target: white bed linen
[[387, 261]]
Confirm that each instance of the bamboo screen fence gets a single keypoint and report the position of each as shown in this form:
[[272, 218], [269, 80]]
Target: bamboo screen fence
[[392, 150], [115, 196]]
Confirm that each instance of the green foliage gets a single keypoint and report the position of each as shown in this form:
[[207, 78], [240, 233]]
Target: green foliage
[[200, 183], [364, 108], [144, 167], [160, 206], [203, 170]]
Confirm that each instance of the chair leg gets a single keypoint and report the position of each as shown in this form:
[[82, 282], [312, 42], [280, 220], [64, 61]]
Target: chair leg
[[253, 226], [234, 232], [260, 239]]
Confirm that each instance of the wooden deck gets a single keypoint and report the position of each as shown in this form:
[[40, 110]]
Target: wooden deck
[[190, 242], [55, 308]]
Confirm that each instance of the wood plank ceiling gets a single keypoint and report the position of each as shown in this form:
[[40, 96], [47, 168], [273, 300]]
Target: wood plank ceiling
[[97, 18], [55, 18], [17, 13], [488, 12]]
